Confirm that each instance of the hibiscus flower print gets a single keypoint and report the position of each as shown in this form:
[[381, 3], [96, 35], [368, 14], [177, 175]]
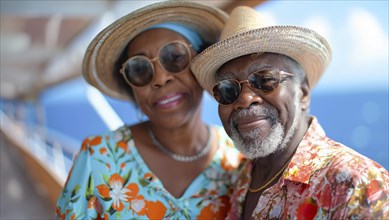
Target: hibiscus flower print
[[116, 192], [216, 209], [88, 143]]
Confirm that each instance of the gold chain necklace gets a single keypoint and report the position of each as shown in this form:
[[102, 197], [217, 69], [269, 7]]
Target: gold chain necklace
[[271, 180]]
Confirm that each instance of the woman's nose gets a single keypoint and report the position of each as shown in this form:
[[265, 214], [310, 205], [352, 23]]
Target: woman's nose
[[161, 76]]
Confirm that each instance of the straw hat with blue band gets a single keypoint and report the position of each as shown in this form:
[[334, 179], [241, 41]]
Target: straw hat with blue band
[[192, 36], [184, 17], [246, 32]]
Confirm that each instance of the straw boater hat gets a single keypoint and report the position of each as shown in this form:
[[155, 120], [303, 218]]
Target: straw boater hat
[[104, 51], [246, 32]]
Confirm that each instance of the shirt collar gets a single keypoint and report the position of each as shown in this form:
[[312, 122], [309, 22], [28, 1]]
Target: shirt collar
[[307, 157]]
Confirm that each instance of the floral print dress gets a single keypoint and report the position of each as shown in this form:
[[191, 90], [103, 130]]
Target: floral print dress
[[324, 180], [110, 180]]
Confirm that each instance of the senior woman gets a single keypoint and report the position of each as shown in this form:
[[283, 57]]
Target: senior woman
[[174, 165]]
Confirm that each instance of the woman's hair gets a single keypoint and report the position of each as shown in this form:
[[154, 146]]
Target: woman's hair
[[118, 77]]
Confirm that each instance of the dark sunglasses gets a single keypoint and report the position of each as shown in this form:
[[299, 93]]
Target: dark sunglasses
[[173, 57], [227, 91]]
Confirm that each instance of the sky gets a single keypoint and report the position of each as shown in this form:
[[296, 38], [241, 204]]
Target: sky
[[357, 32]]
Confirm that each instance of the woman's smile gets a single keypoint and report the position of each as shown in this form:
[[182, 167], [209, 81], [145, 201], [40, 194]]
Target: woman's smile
[[170, 100]]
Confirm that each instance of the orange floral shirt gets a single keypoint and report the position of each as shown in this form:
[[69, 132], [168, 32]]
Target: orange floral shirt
[[110, 180], [324, 180]]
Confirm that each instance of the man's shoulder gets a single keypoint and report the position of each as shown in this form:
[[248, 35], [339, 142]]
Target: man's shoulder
[[333, 151], [346, 163], [346, 156]]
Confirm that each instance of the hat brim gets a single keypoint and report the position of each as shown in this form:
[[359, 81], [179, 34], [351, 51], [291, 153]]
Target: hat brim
[[303, 45], [104, 51]]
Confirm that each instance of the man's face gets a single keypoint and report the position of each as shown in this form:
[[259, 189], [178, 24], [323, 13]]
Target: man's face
[[261, 123]]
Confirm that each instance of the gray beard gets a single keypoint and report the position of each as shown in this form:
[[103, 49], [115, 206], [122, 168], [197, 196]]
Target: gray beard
[[250, 143]]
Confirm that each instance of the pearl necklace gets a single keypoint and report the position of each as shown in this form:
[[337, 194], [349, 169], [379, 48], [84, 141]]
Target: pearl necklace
[[182, 158]]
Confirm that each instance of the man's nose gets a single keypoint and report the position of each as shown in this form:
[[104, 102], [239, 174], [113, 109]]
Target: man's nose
[[247, 97]]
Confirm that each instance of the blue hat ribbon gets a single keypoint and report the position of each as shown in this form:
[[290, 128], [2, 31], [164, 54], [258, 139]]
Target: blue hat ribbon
[[192, 36]]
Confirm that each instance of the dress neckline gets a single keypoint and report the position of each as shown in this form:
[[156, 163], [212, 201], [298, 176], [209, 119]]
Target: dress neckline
[[192, 187]]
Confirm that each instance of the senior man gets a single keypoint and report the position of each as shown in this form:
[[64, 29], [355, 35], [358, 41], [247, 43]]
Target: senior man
[[262, 77]]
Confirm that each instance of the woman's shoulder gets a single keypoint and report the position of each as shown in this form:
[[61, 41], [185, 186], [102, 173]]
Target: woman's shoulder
[[223, 139], [229, 156], [119, 137]]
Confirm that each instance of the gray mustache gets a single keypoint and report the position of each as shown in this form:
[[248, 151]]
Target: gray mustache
[[252, 111]]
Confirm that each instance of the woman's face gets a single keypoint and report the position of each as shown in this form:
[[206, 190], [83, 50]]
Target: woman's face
[[169, 99]]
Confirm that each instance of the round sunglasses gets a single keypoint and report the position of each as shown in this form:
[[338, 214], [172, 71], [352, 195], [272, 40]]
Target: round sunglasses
[[173, 57], [227, 92]]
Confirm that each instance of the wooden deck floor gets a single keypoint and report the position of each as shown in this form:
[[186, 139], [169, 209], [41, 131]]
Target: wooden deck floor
[[21, 197]]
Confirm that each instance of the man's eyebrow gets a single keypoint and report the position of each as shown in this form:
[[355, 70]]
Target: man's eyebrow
[[254, 67], [259, 66], [224, 75]]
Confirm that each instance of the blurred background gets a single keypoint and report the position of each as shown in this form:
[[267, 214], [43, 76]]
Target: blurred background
[[47, 109]]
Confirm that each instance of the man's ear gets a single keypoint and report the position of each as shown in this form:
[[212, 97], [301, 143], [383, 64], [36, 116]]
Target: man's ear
[[305, 99]]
